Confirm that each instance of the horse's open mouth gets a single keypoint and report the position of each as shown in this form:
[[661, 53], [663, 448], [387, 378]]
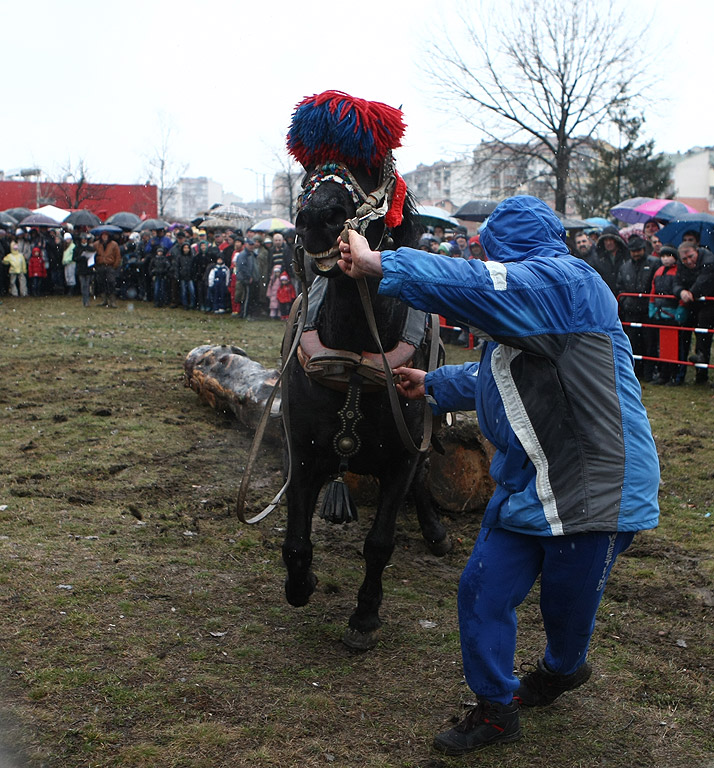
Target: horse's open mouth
[[327, 259]]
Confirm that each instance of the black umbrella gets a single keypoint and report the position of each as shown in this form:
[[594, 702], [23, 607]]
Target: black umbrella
[[39, 220], [6, 220], [151, 224], [476, 210], [83, 218], [124, 219], [571, 223], [18, 213]]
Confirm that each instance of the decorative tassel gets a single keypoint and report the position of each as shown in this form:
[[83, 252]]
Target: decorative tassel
[[395, 213], [333, 126], [337, 505]]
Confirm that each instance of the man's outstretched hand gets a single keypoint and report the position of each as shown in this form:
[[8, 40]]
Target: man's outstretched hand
[[411, 383], [358, 259]]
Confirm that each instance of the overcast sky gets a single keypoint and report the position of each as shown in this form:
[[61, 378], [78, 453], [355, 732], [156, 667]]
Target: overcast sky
[[99, 80]]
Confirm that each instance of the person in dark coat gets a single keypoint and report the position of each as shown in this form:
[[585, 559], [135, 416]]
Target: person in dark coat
[[635, 276], [83, 256], [185, 271], [584, 248], [160, 270], [609, 254], [695, 279]]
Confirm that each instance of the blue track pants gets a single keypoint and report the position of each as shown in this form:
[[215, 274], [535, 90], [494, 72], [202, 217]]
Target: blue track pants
[[500, 573]]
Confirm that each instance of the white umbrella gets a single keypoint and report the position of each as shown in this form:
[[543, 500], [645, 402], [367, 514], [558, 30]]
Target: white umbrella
[[58, 214]]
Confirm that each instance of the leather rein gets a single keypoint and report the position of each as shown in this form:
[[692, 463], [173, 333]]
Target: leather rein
[[373, 208]]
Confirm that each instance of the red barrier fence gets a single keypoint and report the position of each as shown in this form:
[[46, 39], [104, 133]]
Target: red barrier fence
[[668, 334]]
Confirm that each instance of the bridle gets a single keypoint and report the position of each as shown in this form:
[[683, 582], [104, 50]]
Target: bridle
[[371, 207]]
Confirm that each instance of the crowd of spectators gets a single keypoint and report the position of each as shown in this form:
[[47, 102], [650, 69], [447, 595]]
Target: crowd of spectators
[[673, 283], [223, 272]]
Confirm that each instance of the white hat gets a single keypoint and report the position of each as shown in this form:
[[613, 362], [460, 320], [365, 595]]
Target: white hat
[[67, 236], [19, 231]]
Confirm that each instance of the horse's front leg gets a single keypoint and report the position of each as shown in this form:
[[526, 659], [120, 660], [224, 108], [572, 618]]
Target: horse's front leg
[[302, 496], [363, 631]]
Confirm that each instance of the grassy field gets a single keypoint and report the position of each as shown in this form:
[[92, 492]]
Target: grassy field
[[143, 625]]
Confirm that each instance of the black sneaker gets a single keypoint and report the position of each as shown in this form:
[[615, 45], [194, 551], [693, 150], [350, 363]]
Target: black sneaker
[[486, 723], [542, 687]]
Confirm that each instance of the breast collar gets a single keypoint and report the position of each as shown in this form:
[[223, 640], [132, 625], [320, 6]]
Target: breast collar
[[333, 367]]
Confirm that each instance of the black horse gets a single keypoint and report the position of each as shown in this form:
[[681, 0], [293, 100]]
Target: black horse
[[317, 412]]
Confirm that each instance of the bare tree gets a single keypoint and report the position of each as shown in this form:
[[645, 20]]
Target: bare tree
[[540, 77], [286, 184], [164, 171], [72, 186]]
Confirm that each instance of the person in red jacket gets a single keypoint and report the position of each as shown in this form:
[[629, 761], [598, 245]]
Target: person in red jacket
[[285, 295], [36, 271]]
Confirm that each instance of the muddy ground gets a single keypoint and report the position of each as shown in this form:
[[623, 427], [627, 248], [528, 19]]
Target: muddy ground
[[142, 625]]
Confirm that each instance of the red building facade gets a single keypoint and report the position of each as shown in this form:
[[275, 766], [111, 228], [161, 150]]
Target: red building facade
[[102, 199]]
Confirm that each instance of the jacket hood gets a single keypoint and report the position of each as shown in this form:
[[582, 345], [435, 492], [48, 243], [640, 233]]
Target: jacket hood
[[521, 227], [622, 249]]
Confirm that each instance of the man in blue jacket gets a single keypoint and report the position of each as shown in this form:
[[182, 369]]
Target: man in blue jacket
[[576, 467]]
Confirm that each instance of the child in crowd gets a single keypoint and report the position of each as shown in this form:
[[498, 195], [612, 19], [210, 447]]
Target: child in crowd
[[285, 295], [218, 280], [17, 271], [37, 271], [272, 293]]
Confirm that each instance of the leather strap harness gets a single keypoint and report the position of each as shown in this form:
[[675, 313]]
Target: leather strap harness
[[341, 369]]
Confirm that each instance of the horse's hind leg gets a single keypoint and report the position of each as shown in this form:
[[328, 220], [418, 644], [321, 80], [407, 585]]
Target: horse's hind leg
[[432, 529]]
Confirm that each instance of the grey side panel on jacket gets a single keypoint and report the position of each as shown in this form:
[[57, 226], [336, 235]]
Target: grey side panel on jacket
[[576, 443]]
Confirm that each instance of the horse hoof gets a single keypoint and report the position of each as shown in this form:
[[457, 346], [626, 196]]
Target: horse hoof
[[440, 548], [360, 641], [298, 594]]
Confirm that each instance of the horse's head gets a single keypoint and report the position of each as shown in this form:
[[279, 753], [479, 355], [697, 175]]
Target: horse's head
[[332, 196], [345, 146]]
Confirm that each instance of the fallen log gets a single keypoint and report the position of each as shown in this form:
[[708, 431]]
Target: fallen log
[[227, 379]]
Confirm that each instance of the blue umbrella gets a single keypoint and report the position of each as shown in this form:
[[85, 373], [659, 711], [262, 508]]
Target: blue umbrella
[[111, 228], [703, 223], [598, 221]]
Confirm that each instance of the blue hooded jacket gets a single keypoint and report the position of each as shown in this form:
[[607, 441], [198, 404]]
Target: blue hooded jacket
[[555, 391]]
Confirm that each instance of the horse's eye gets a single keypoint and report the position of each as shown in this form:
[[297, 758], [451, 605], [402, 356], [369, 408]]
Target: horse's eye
[[336, 216]]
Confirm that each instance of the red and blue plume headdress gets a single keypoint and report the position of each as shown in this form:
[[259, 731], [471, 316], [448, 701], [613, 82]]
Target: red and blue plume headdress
[[335, 127]]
